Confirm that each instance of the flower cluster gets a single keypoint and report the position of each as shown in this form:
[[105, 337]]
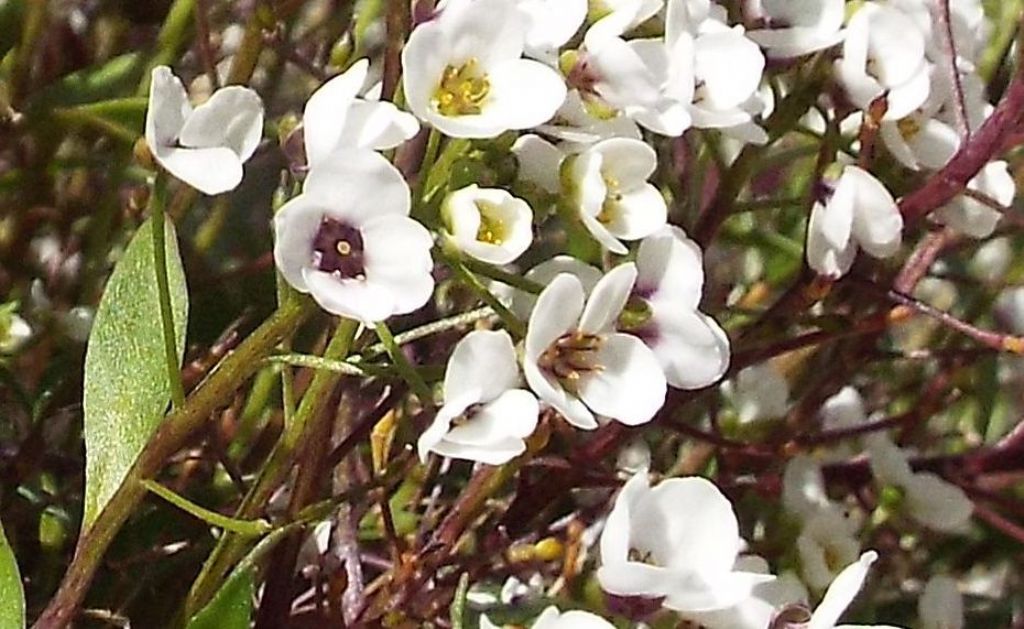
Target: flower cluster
[[532, 155]]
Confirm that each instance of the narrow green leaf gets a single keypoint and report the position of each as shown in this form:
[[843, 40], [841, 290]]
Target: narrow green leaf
[[12, 597], [458, 610], [248, 528], [126, 382], [231, 607]]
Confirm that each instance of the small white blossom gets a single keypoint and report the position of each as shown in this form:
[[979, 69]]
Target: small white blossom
[[464, 74], [920, 142], [680, 541], [576, 362], [941, 605], [610, 193], [927, 498], [14, 330], [488, 224], [860, 214], [974, 217], [883, 54], [663, 311], [797, 27], [803, 488], [336, 117], [826, 544], [485, 416], [349, 242], [758, 392], [203, 146]]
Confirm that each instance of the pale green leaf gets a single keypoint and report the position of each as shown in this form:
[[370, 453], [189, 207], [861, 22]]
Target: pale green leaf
[[127, 388], [12, 598], [231, 607]]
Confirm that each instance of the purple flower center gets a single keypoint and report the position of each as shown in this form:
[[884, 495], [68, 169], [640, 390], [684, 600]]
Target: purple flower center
[[339, 249]]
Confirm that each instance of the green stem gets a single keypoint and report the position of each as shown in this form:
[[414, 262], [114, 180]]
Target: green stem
[[173, 433], [508, 318], [170, 39], [163, 288], [405, 369], [230, 548], [512, 279], [249, 528], [434, 327]]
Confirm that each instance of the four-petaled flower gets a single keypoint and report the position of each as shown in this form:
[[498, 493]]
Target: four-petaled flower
[[349, 242], [203, 146], [485, 416]]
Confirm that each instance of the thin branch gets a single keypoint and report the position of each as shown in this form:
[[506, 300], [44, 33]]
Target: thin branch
[[945, 25]]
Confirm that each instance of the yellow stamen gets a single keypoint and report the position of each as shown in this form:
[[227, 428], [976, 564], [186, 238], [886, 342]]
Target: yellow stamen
[[462, 90]]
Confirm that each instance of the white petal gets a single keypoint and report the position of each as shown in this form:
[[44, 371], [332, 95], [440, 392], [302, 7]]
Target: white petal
[[378, 125], [552, 393], [602, 235], [557, 310], [842, 592], [704, 540], [539, 162], [524, 93], [803, 487], [670, 264], [513, 414], [692, 349], [358, 184], [639, 212], [941, 605], [822, 255], [210, 170], [327, 110], [484, 362], [424, 58], [628, 161], [295, 227], [233, 117], [877, 222], [608, 299], [435, 433], [936, 503], [495, 453], [630, 386], [168, 107], [888, 462], [729, 65], [362, 300]]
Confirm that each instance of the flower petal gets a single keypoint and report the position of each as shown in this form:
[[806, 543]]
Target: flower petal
[[608, 299], [233, 117], [210, 170], [484, 362], [630, 386], [842, 592], [167, 110]]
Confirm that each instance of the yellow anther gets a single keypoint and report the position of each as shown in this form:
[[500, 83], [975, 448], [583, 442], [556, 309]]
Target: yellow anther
[[462, 90]]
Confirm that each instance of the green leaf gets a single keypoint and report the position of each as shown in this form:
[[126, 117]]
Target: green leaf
[[12, 597], [110, 79], [458, 609], [126, 381], [231, 607]]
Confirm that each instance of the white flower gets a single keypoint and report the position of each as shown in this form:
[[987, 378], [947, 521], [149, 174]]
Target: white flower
[[577, 363], [860, 214], [485, 416], [539, 161], [465, 75], [927, 498], [348, 240], [543, 273], [803, 488], [663, 311], [488, 224], [841, 593], [679, 541], [826, 544], [920, 142], [941, 606], [646, 80], [727, 71], [797, 27], [609, 191], [883, 53], [206, 146], [551, 618], [336, 117], [758, 392], [973, 217], [845, 409]]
